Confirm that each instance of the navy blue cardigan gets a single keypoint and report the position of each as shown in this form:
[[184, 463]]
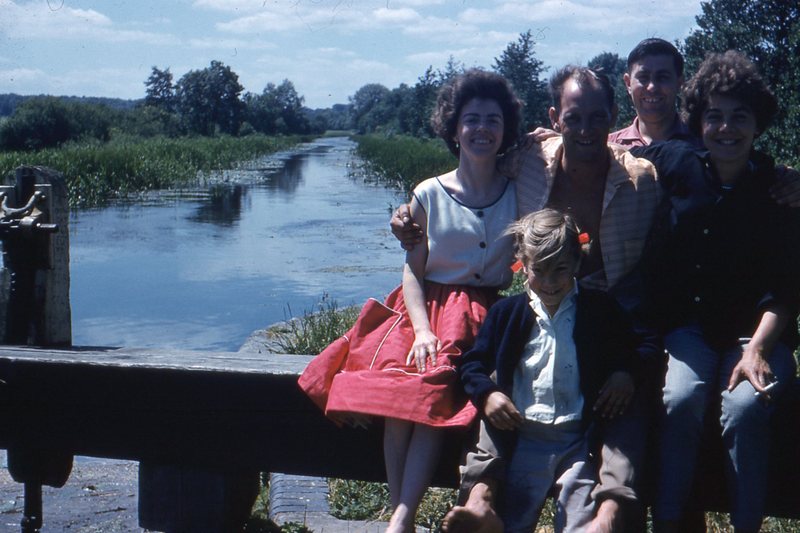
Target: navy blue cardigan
[[603, 335]]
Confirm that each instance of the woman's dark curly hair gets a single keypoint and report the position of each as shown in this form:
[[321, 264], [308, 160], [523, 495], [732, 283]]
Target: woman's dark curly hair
[[476, 83], [732, 75]]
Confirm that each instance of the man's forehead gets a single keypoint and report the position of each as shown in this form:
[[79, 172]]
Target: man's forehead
[[655, 63], [581, 91]]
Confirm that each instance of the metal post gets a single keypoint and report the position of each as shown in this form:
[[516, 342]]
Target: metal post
[[32, 519]]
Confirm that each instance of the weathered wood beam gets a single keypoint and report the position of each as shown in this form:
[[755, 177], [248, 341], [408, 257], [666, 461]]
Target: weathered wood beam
[[226, 410]]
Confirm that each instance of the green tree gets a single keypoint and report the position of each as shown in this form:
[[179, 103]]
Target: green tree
[[452, 69], [149, 121], [278, 109], [425, 92], [160, 91], [208, 100], [519, 65], [45, 122], [768, 31], [614, 67], [368, 114]]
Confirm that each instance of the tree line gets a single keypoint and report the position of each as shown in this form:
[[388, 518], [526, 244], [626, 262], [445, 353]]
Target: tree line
[[768, 31], [211, 101]]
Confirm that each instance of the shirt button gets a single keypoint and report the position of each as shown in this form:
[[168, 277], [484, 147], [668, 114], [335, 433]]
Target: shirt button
[[480, 214], [477, 276], [482, 244], [705, 231], [696, 298]]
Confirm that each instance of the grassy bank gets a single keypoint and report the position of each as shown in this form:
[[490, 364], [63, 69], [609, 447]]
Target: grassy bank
[[96, 172], [401, 161]]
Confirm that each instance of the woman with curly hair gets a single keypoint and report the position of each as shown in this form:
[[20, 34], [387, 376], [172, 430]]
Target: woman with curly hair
[[721, 271], [397, 363]]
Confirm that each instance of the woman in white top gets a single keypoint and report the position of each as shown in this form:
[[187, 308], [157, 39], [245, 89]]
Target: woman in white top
[[398, 360]]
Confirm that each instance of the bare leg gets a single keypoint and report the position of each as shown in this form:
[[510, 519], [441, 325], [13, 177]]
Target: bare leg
[[396, 439], [478, 515], [423, 455]]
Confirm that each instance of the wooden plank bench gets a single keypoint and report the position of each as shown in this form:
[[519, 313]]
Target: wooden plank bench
[[241, 412], [231, 412]]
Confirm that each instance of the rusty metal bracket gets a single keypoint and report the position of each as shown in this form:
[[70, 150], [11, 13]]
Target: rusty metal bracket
[[29, 225]]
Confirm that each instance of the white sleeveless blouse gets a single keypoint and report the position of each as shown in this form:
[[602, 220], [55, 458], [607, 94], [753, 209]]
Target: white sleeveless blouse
[[465, 246]]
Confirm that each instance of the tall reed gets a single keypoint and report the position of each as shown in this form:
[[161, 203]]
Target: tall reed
[[401, 161], [96, 172]]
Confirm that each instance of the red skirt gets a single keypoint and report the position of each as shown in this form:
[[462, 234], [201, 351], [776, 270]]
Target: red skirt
[[365, 371]]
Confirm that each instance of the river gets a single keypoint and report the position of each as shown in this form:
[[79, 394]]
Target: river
[[202, 270]]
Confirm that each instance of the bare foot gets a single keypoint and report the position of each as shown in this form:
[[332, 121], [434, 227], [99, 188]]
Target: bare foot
[[476, 516], [608, 519], [402, 521]]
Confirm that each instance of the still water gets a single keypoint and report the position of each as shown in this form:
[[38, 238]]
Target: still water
[[203, 270]]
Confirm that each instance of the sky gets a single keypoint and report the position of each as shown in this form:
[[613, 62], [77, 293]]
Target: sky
[[327, 48]]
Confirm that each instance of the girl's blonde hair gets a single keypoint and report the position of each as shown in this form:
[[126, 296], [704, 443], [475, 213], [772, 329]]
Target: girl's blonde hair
[[544, 236]]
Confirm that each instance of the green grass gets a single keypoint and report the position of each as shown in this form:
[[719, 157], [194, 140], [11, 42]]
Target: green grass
[[316, 329], [401, 161], [96, 172]]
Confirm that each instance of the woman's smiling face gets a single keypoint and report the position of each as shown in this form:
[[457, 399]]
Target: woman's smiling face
[[728, 128], [480, 128]]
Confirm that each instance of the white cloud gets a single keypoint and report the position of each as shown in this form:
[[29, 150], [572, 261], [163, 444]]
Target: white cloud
[[21, 76], [211, 43], [232, 6], [417, 3], [22, 21], [114, 82], [395, 16]]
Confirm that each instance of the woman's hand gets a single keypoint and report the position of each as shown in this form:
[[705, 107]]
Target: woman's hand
[[405, 230], [501, 412], [753, 367], [615, 396], [786, 190], [426, 345]]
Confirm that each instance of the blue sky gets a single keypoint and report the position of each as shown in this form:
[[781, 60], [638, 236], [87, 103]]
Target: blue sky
[[327, 48]]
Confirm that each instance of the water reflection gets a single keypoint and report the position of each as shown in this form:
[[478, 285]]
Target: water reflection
[[290, 177], [224, 205]]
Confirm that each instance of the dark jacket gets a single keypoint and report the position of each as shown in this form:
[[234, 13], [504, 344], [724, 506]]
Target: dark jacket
[[604, 343], [719, 257]]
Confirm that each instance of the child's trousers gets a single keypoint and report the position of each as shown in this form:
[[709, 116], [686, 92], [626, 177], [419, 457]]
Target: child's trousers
[[547, 459]]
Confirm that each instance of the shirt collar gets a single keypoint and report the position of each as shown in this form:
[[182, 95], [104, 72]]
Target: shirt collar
[[567, 303], [631, 134]]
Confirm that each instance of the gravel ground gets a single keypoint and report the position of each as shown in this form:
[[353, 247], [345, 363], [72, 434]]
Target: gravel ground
[[100, 496]]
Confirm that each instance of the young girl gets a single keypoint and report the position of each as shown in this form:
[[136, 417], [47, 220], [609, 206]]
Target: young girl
[[398, 360], [561, 359]]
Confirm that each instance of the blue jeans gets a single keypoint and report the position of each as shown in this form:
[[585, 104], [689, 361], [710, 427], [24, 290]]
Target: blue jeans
[[696, 376]]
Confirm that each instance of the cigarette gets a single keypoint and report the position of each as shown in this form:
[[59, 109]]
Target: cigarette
[[767, 388]]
